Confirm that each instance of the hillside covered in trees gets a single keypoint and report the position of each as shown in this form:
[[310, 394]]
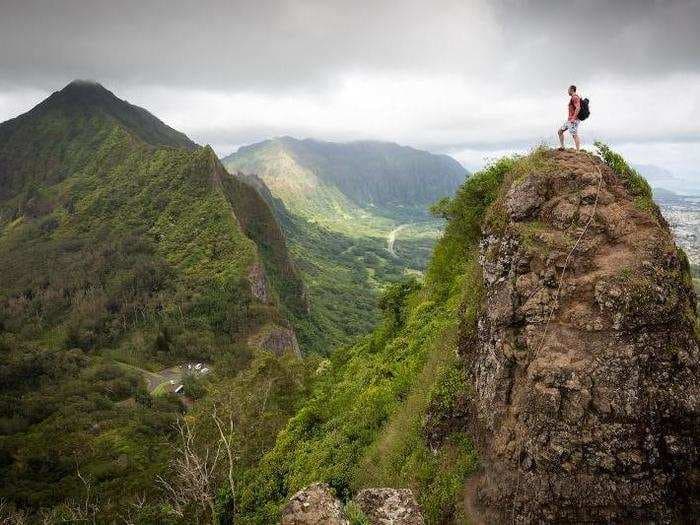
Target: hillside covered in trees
[[125, 248]]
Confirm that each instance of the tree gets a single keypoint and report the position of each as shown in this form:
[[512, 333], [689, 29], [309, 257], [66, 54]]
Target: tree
[[393, 299], [196, 472]]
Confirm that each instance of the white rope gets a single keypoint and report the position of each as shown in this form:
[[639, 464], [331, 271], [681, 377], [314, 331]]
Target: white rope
[[568, 258]]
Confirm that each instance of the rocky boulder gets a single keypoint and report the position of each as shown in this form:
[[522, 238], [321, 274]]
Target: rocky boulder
[[386, 506], [314, 505]]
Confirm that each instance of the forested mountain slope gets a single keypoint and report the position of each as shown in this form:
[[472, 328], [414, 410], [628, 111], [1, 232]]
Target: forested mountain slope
[[124, 247], [343, 276], [355, 188], [356, 216]]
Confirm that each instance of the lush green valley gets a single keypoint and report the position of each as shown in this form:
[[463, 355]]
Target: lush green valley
[[342, 274], [356, 217], [358, 188]]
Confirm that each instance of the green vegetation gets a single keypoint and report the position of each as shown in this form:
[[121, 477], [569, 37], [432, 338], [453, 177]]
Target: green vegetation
[[361, 189], [636, 184], [355, 514], [124, 247], [337, 204], [363, 424], [695, 273], [343, 276]]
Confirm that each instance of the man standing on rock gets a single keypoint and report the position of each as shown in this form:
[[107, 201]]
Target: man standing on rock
[[571, 124]]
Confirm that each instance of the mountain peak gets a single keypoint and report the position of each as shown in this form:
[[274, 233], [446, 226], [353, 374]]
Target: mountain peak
[[82, 91], [81, 97], [82, 83], [75, 118], [588, 304]]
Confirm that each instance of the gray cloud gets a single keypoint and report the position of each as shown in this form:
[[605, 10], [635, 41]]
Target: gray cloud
[[645, 38], [465, 77], [304, 44], [262, 44]]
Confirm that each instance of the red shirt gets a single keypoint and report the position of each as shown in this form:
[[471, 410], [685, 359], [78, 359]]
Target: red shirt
[[574, 107]]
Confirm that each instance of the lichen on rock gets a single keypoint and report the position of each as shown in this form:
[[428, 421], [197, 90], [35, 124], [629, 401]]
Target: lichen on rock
[[318, 505], [387, 506]]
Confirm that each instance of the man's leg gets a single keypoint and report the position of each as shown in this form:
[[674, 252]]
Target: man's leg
[[577, 142], [561, 137]]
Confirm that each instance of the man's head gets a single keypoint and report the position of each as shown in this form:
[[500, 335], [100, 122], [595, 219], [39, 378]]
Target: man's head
[[572, 90]]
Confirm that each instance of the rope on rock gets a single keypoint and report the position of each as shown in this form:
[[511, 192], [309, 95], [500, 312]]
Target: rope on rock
[[568, 259], [556, 300]]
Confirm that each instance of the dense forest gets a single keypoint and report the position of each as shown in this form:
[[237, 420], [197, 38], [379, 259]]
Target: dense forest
[[126, 249]]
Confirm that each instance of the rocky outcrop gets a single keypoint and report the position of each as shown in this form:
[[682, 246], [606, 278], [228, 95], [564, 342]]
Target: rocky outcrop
[[585, 386], [316, 505], [258, 283], [386, 506], [276, 339]]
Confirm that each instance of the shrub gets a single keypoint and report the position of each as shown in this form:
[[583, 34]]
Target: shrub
[[636, 184]]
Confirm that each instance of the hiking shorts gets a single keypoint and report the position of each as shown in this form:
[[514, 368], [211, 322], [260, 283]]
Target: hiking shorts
[[570, 126]]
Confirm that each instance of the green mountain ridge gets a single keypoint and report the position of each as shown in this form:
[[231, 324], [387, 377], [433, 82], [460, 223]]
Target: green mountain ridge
[[338, 204], [123, 246], [357, 188], [59, 134]]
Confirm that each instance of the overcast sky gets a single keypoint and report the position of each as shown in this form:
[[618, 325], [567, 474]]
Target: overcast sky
[[474, 79]]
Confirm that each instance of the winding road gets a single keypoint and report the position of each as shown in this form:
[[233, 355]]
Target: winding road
[[391, 239]]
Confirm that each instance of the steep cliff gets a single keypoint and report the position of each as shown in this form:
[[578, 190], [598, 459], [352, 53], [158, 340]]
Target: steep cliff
[[584, 367]]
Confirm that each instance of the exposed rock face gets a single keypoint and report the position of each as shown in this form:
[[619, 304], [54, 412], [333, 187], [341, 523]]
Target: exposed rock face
[[258, 283], [276, 339], [586, 398], [386, 506], [314, 505]]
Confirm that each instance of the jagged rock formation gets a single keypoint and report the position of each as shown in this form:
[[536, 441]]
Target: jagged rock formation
[[316, 505], [585, 389]]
